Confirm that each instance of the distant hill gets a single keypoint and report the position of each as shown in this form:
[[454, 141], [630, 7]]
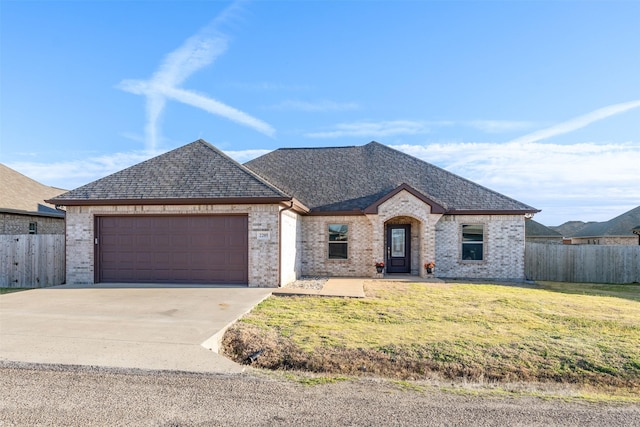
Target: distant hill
[[618, 226]]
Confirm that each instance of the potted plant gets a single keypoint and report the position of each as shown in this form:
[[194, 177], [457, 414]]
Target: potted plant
[[429, 266], [379, 266]]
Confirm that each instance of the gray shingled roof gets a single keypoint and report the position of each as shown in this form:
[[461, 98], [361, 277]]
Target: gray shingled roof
[[194, 171], [353, 178], [535, 229], [622, 225], [21, 193]]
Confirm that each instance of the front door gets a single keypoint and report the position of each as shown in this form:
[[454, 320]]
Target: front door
[[398, 248]]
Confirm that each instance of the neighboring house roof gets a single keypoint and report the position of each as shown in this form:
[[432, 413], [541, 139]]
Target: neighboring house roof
[[194, 173], [570, 228], [344, 179], [621, 225], [20, 194], [535, 229]]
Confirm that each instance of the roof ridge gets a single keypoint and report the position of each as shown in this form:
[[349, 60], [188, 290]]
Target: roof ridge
[[196, 170], [318, 179], [242, 167], [452, 173], [316, 148]]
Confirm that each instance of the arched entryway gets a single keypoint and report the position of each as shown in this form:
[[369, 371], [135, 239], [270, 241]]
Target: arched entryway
[[402, 242]]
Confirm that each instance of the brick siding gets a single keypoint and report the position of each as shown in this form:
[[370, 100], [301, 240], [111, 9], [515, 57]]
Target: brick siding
[[19, 224], [434, 237], [263, 254], [503, 247], [315, 241], [304, 241], [605, 240]]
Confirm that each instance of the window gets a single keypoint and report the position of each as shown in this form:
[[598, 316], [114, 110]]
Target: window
[[338, 236], [472, 242], [33, 228]]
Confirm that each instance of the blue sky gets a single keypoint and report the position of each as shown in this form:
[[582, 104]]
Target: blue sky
[[537, 100]]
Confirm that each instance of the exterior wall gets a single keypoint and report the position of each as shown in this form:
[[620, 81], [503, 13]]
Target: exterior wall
[[504, 243], [367, 238], [545, 239], [263, 251], [605, 240], [405, 208], [315, 260], [19, 224], [291, 247]]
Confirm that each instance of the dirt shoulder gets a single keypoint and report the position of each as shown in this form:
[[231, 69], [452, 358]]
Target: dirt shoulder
[[57, 395]]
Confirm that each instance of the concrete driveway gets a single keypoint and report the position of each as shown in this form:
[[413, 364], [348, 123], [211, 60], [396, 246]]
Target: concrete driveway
[[126, 326]]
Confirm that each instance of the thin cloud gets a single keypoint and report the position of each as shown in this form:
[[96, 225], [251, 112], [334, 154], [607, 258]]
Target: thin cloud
[[551, 177], [373, 129], [578, 122], [242, 156], [269, 86], [316, 107], [216, 107], [397, 127], [75, 173], [582, 181], [499, 126], [195, 53]]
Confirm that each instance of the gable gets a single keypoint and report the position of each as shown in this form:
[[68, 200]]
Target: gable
[[194, 173], [351, 179], [434, 207]]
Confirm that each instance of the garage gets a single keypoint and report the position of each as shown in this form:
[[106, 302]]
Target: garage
[[198, 249]]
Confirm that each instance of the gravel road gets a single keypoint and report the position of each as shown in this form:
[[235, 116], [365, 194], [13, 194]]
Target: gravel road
[[56, 395]]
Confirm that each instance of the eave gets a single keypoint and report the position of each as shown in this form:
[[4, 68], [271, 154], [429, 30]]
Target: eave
[[61, 214], [170, 201], [491, 211]]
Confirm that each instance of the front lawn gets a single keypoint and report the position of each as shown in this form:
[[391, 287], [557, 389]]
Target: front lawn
[[478, 332]]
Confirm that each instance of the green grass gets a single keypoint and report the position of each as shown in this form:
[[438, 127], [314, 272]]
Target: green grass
[[10, 290], [483, 332], [629, 291]]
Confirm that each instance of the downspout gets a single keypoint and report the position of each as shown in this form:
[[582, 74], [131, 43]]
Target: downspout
[[280, 243]]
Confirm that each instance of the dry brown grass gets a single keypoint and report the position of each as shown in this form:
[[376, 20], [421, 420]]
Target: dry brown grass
[[457, 331]]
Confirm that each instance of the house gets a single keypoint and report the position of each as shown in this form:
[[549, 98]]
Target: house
[[22, 205], [194, 215], [538, 233], [616, 231]]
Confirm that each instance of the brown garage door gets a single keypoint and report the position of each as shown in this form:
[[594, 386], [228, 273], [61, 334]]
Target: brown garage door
[[172, 249]]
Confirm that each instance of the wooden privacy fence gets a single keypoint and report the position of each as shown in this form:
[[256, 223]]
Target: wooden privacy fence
[[32, 260], [582, 263]]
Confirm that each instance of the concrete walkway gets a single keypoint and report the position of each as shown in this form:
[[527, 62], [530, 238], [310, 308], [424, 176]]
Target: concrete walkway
[[160, 327], [136, 326], [352, 287], [335, 287]]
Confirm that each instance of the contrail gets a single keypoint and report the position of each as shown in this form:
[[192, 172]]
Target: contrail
[[577, 123], [196, 52]]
